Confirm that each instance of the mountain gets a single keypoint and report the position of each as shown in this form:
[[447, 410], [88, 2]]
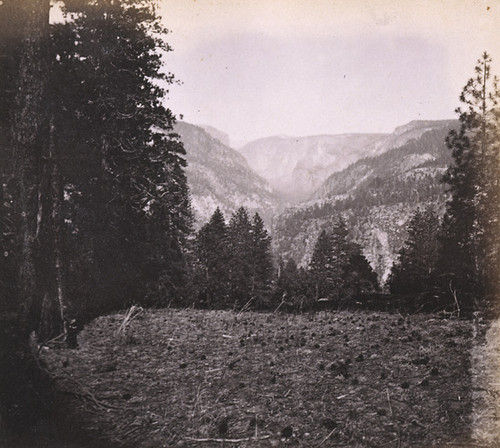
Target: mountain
[[215, 133], [417, 144], [219, 176], [296, 166], [376, 195]]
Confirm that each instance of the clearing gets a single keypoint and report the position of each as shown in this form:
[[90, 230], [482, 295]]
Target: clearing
[[192, 378]]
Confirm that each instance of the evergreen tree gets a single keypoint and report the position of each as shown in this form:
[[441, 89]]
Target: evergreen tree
[[212, 255], [469, 259], [127, 203], [321, 267], [362, 279], [285, 287], [338, 269], [262, 261], [240, 263], [415, 268], [292, 286], [24, 125]]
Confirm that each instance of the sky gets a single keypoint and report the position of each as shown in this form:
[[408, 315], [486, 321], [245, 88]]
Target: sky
[[256, 68]]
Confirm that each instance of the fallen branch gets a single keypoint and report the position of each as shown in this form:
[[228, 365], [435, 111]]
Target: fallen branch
[[326, 438], [389, 401], [245, 307], [246, 439], [132, 313], [454, 294]]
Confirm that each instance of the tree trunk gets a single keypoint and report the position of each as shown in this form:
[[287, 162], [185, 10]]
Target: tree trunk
[[30, 139], [52, 321], [19, 376]]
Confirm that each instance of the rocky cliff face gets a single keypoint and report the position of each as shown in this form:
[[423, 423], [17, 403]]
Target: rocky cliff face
[[219, 176], [296, 166], [376, 195]]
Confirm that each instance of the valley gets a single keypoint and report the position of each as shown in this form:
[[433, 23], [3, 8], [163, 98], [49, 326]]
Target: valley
[[301, 185]]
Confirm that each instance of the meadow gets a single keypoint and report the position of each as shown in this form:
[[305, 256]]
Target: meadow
[[193, 378]]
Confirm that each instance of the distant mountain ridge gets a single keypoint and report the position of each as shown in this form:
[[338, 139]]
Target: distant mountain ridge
[[422, 142], [216, 133], [376, 195], [219, 176], [296, 166]]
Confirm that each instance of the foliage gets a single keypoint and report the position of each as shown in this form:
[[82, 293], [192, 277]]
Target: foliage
[[338, 271], [234, 262], [414, 271], [291, 287], [239, 245], [212, 255], [262, 261], [126, 210], [470, 237]]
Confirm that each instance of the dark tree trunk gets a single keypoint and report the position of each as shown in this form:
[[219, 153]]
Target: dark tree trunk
[[50, 272], [30, 133], [20, 377]]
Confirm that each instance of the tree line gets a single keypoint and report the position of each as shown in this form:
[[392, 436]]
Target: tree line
[[233, 268], [454, 262]]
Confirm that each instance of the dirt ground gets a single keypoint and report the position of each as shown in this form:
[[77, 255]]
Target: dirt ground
[[190, 378], [485, 369]]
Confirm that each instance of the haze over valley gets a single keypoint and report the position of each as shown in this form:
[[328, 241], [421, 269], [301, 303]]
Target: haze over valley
[[301, 185]]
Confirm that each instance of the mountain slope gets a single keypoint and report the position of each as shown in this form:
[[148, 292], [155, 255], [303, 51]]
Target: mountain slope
[[219, 176], [296, 166], [377, 196], [215, 133]]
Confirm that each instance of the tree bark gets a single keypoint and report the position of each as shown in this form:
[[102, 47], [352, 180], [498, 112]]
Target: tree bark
[[19, 376], [30, 138]]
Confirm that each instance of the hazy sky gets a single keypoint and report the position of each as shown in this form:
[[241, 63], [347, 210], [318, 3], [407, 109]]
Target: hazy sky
[[255, 68]]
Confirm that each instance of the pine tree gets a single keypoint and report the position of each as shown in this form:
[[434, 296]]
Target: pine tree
[[262, 261], [338, 269], [212, 255], [415, 268], [469, 259], [362, 279], [24, 125], [240, 263], [128, 205], [321, 267], [291, 287]]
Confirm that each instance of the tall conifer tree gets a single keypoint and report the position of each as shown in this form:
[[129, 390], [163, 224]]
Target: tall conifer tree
[[415, 268], [262, 261], [240, 267], [338, 270], [128, 205], [212, 255], [469, 259]]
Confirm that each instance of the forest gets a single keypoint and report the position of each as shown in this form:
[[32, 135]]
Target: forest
[[96, 216]]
